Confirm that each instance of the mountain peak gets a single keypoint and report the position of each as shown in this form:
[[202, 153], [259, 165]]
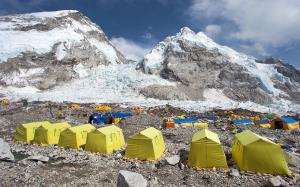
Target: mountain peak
[[185, 30]]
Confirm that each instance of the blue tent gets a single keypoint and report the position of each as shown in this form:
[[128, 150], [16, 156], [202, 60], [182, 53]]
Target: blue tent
[[263, 121], [98, 119], [185, 120], [288, 120], [242, 121]]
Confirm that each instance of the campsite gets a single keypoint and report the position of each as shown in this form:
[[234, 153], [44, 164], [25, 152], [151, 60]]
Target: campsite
[[174, 163]]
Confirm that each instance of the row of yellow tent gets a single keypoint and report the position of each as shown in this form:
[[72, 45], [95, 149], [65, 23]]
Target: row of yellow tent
[[250, 151], [253, 118]]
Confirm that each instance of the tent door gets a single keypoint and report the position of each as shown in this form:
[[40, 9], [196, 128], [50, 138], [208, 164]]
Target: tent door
[[278, 125]]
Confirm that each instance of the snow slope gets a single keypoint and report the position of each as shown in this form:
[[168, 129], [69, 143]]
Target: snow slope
[[69, 32]]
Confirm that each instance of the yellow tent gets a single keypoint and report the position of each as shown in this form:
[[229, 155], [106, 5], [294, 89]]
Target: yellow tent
[[285, 123], [196, 124], [252, 152], [103, 108], [206, 151], [49, 133], [105, 140], [75, 137], [146, 145], [25, 132]]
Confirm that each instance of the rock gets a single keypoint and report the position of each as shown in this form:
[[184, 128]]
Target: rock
[[119, 155], [181, 166], [292, 159], [295, 132], [5, 153], [234, 173], [130, 179], [173, 160], [206, 176], [277, 181], [38, 158]]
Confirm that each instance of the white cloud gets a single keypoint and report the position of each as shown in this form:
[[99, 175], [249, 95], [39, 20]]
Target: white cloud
[[147, 36], [212, 30], [254, 49], [129, 48], [268, 22]]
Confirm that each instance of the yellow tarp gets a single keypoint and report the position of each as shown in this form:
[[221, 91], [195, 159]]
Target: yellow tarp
[[266, 125], [49, 133], [25, 132], [197, 124], [252, 152], [146, 145], [75, 106], [105, 140], [103, 108], [206, 151], [75, 137], [4, 102]]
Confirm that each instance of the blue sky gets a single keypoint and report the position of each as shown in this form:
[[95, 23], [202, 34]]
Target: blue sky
[[259, 28]]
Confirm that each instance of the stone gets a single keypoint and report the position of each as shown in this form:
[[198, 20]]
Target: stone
[[5, 153], [277, 181], [181, 166], [234, 173], [130, 179], [38, 158], [295, 132], [292, 159], [173, 160]]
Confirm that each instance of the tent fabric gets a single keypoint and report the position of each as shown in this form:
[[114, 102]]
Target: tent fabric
[[121, 114], [265, 123], [105, 140], [206, 151], [49, 133], [288, 120], [243, 121], [75, 137], [101, 119], [25, 132], [197, 124], [285, 123], [252, 152], [146, 145], [185, 120]]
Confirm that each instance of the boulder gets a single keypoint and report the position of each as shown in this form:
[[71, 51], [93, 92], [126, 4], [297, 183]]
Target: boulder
[[173, 160], [277, 181], [130, 179], [5, 153], [234, 173], [38, 158], [292, 159]]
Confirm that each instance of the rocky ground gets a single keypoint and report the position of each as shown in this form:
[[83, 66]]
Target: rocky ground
[[67, 167]]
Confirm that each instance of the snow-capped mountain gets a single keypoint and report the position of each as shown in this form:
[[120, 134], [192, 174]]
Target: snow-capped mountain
[[48, 48], [200, 66], [63, 56]]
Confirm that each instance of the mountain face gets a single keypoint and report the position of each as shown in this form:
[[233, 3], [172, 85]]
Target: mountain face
[[46, 49], [199, 67]]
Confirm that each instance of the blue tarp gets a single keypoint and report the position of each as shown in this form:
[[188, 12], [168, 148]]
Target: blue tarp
[[103, 118], [121, 114], [288, 120], [243, 121], [210, 118], [263, 121], [185, 120]]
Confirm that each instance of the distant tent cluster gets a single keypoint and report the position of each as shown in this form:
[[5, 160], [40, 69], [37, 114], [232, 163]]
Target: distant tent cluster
[[184, 121], [109, 118], [250, 151], [269, 121]]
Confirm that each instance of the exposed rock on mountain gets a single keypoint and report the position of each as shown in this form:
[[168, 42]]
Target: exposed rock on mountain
[[196, 63], [47, 48]]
